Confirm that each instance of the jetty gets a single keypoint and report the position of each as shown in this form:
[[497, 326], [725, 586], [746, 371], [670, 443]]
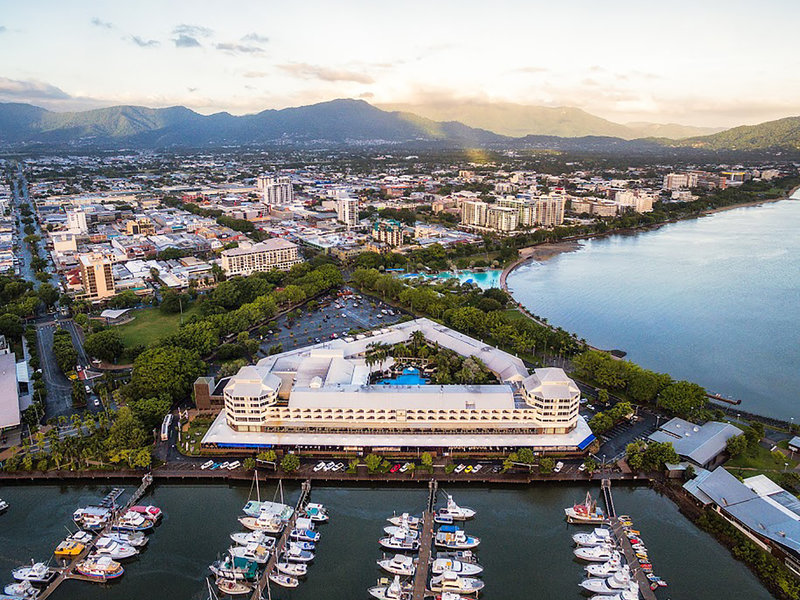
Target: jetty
[[419, 589]]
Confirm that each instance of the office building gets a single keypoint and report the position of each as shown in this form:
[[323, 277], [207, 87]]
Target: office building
[[635, 200], [275, 253], [96, 276]]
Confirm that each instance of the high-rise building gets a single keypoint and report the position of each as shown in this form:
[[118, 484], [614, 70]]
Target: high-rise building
[[76, 221], [635, 200], [550, 210], [276, 190], [473, 213], [388, 231], [96, 276], [525, 207], [275, 253], [502, 218], [347, 210]]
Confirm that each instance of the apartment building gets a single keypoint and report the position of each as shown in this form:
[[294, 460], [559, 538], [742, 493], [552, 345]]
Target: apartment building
[[275, 190], [275, 253], [388, 231], [474, 213], [347, 211], [550, 210], [502, 218], [96, 276]]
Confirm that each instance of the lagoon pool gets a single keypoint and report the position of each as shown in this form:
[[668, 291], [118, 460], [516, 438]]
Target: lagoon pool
[[409, 376], [483, 279]]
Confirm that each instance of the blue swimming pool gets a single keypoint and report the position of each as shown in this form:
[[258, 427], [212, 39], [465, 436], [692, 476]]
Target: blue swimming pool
[[409, 376]]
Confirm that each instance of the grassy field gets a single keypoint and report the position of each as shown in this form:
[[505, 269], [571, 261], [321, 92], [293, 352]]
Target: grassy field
[[760, 462], [151, 324]]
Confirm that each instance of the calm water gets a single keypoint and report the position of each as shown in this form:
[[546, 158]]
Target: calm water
[[409, 376], [714, 300], [526, 548], [483, 279]]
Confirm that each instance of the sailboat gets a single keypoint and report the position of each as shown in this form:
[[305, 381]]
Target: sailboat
[[256, 508]]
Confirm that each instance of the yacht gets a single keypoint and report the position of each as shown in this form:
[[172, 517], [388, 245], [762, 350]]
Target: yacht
[[399, 564], [309, 546], [283, 580], [252, 551], [616, 583], [452, 582], [453, 538], [441, 565], [595, 553], [400, 531], [316, 512], [68, 549], [268, 523], [607, 568], [251, 537], [598, 537], [296, 554], [464, 556], [133, 521], [233, 567], [105, 546], [82, 537], [403, 544], [35, 573], [293, 569], [233, 587], [137, 539], [92, 518], [405, 519], [393, 591], [256, 508], [588, 512], [22, 589], [454, 511], [304, 535], [151, 512], [99, 568]]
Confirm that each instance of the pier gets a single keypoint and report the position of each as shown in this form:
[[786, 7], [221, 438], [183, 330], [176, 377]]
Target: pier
[[263, 580], [425, 544]]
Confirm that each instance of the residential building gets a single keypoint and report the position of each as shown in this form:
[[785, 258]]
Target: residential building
[[550, 210], [502, 218], [636, 200], [275, 253], [388, 231], [275, 190], [76, 222], [347, 211], [474, 213], [96, 276], [525, 207]]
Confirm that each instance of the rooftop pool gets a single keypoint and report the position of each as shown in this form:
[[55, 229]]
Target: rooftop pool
[[409, 376]]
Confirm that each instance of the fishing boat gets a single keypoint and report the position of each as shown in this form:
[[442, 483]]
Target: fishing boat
[[133, 521], [464, 556], [137, 539], [405, 519], [403, 544], [21, 589], [293, 569], [453, 538], [253, 551], [151, 512], [233, 587], [283, 580], [69, 548], [598, 537], [393, 591], [266, 522], [454, 511], [253, 537], [99, 568], [452, 582], [595, 553], [92, 518], [233, 567], [296, 554], [35, 573], [399, 564], [586, 512], [316, 512], [400, 531], [304, 535], [619, 581], [442, 565]]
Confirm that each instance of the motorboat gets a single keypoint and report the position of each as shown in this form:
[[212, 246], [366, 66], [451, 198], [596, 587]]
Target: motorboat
[[400, 531], [252, 551], [450, 596], [316, 512], [393, 591], [69, 549], [296, 554], [105, 546], [405, 518], [293, 569], [3, 506], [454, 511], [304, 535], [233, 587], [21, 589], [441, 565], [452, 582], [594, 553], [99, 568], [137, 539], [133, 521], [451, 537], [607, 568], [268, 523], [92, 518], [598, 537], [399, 564], [629, 594], [403, 544], [309, 546], [253, 537], [586, 512], [151, 512], [233, 567], [256, 508], [613, 584], [82, 537], [283, 580], [35, 573], [464, 556]]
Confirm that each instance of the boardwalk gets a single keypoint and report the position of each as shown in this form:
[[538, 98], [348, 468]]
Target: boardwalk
[[426, 542]]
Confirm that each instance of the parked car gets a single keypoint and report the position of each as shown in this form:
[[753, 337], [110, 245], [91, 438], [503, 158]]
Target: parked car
[[477, 468], [405, 467], [559, 466], [207, 465], [459, 468], [468, 469], [395, 468], [497, 468], [224, 465], [234, 465], [329, 466], [582, 467], [339, 467], [319, 466]]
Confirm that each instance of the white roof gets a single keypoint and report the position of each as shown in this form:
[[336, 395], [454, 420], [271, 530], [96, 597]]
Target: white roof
[[405, 397], [9, 392], [252, 382], [550, 382], [113, 313]]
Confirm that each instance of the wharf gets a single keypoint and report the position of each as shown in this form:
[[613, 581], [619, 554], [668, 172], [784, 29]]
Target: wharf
[[426, 542]]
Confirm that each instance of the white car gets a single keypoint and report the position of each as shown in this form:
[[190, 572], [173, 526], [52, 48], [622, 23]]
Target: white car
[[582, 467], [477, 468], [459, 468], [329, 466], [339, 467], [559, 466], [319, 466], [404, 468], [207, 465], [224, 465], [234, 465]]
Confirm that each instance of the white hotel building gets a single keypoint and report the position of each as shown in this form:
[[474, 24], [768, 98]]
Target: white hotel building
[[319, 398], [275, 253]]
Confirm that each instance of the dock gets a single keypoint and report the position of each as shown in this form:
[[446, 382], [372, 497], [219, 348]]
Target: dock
[[263, 580], [426, 543]]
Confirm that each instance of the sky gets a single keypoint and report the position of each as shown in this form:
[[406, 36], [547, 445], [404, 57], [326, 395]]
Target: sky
[[707, 63]]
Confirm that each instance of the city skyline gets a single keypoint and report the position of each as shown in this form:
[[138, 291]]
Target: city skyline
[[680, 63]]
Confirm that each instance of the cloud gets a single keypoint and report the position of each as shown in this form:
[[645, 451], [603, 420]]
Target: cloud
[[238, 48], [307, 71], [97, 22], [194, 31], [186, 41], [142, 43], [254, 37], [30, 89], [366, 96], [3, 29], [255, 74], [531, 69]]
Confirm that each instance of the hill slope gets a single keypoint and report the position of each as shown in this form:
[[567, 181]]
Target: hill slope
[[783, 134]]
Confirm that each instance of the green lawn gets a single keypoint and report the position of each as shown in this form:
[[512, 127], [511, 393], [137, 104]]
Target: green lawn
[[151, 324], [759, 462]]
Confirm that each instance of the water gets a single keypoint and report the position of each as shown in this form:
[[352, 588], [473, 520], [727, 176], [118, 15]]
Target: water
[[713, 300], [525, 549], [409, 376], [483, 279]]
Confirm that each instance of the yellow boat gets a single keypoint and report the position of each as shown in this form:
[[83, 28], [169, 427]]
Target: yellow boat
[[69, 548]]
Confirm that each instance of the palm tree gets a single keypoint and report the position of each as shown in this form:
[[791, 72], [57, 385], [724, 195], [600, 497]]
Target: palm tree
[[417, 339]]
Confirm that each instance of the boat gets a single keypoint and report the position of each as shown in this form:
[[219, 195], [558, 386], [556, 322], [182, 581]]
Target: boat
[[151, 512], [253, 551], [451, 537], [21, 589], [293, 569], [452, 582], [405, 518], [403, 544], [283, 580], [598, 537], [137, 539], [586, 512], [316, 512], [83, 537], [296, 554], [256, 508], [69, 548], [454, 511], [233, 587], [99, 568], [250, 537], [233, 567], [595, 553], [304, 535], [92, 518], [309, 546], [441, 565], [399, 564], [3, 505], [619, 581], [114, 549], [393, 591], [268, 523], [450, 596], [133, 521], [35, 573], [630, 594], [464, 556], [607, 568], [400, 531]]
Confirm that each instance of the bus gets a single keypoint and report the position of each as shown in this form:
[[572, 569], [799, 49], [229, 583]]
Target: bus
[[165, 427]]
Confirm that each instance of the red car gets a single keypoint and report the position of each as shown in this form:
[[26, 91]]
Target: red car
[[395, 468]]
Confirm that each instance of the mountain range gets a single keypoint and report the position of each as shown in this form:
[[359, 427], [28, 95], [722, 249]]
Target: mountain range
[[357, 122]]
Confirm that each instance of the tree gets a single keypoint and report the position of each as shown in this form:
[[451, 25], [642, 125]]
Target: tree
[[248, 464], [48, 294], [267, 456], [172, 302], [126, 432], [682, 398], [600, 423], [602, 396], [290, 463], [546, 465], [426, 459], [166, 370], [525, 455], [106, 345], [736, 445], [78, 393], [373, 462], [151, 411], [643, 456], [11, 326], [590, 465]]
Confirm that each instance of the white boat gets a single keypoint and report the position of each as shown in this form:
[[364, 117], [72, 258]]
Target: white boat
[[105, 546], [309, 546], [464, 556], [35, 573], [296, 554], [399, 564], [454, 511], [410, 520], [453, 538], [233, 587], [441, 565], [629, 594], [21, 589], [403, 544], [316, 512], [304, 535], [133, 521], [268, 523], [137, 539], [283, 580], [292, 569], [92, 518], [595, 553], [253, 537], [452, 582], [100, 568], [393, 591], [614, 584], [253, 551], [400, 531], [255, 508], [235, 568], [607, 568], [3, 505], [598, 537], [588, 512], [81, 537]]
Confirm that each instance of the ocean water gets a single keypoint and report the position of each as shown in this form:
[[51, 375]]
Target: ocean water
[[715, 300]]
